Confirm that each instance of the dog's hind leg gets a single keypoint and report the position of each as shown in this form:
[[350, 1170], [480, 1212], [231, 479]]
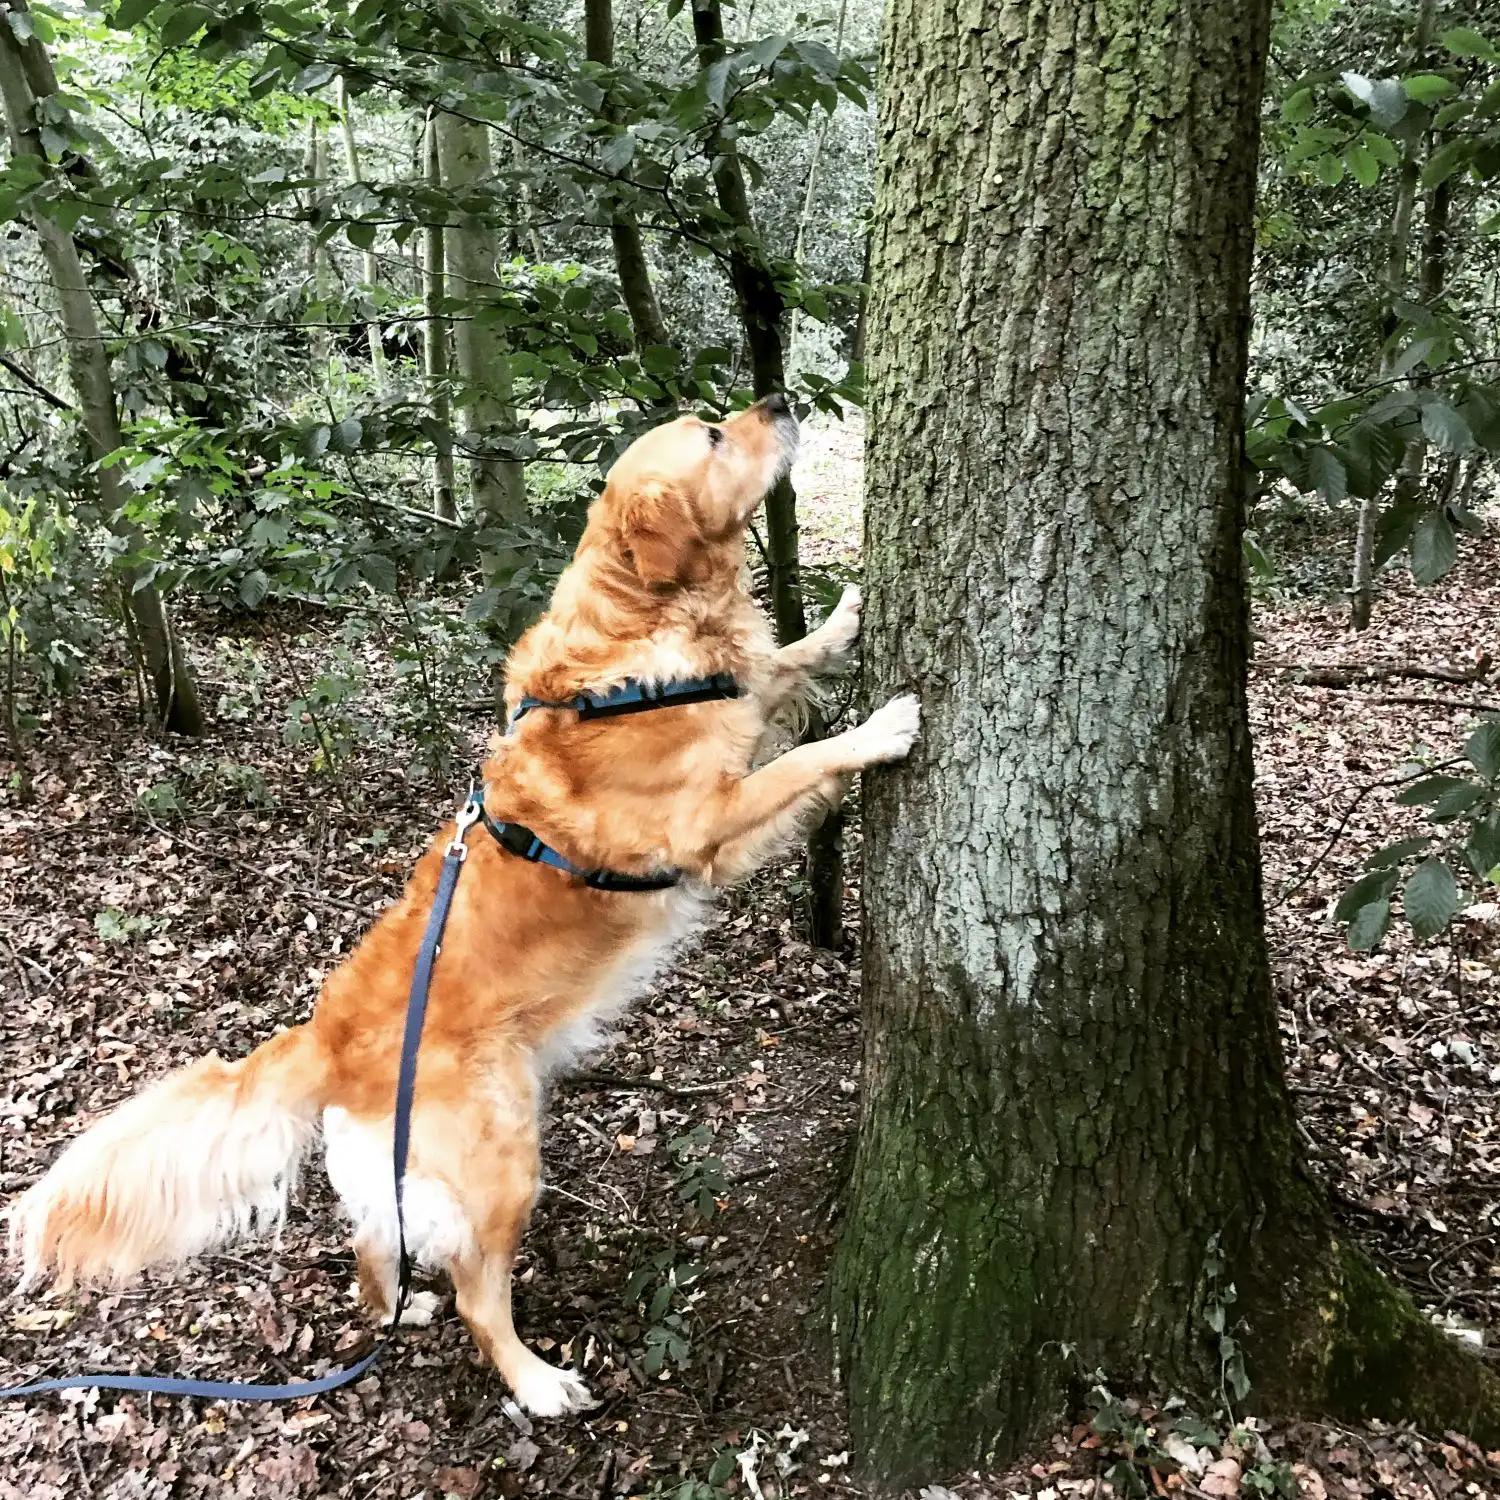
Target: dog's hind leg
[[497, 1194]]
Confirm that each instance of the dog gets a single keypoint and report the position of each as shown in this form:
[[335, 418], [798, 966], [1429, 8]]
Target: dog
[[536, 961]]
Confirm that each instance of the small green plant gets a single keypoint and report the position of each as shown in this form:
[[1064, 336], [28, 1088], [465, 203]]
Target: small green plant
[[700, 1174], [1234, 1382], [243, 784], [244, 694], [163, 800], [115, 926], [322, 717], [664, 1286]]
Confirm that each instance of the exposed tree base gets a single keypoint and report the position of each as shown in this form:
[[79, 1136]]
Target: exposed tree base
[[1383, 1357]]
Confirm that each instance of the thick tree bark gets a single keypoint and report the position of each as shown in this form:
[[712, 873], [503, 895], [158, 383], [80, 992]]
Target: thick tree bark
[[481, 363], [1073, 1083], [1398, 249], [26, 75], [631, 266], [435, 341], [371, 263]]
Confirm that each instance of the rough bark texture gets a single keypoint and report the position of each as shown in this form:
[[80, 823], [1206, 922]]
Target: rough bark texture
[[25, 76], [1073, 1079], [481, 365], [435, 341]]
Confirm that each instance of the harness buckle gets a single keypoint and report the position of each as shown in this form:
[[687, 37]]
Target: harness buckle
[[468, 815]]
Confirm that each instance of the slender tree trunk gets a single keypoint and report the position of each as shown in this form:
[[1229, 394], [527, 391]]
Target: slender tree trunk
[[497, 486], [820, 137], [761, 308], [371, 263], [1398, 249], [25, 76], [319, 271], [1076, 1131], [624, 232], [435, 341]]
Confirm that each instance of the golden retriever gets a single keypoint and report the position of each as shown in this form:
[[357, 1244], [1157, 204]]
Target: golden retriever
[[535, 961]]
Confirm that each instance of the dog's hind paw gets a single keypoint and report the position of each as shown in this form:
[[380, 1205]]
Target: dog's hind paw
[[546, 1391]]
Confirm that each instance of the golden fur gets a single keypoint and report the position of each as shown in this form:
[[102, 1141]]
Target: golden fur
[[533, 959]]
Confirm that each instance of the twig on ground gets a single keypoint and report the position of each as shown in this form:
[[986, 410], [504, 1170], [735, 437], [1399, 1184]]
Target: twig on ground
[[626, 1085], [624, 1355]]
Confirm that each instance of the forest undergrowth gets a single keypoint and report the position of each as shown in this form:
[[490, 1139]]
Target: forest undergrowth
[[160, 899]]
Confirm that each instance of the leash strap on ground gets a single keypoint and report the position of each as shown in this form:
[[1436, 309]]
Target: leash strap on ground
[[406, 1078]]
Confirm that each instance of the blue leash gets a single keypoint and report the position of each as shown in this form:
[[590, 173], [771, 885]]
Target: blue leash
[[406, 1078]]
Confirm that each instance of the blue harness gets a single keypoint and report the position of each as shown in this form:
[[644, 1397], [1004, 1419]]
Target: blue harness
[[630, 697]]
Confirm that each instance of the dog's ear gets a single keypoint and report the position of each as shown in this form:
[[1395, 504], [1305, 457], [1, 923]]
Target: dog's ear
[[659, 533]]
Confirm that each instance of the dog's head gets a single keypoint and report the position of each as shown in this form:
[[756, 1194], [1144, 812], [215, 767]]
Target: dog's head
[[681, 493]]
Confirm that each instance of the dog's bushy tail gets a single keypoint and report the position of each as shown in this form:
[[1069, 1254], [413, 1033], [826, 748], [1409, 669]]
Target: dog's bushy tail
[[194, 1161]]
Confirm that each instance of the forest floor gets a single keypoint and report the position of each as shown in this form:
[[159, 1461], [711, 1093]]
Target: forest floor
[[160, 900]]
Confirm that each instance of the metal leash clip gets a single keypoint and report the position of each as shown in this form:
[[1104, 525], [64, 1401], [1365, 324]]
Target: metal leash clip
[[468, 815]]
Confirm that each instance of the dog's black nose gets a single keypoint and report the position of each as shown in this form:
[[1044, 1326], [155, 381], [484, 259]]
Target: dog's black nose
[[776, 404]]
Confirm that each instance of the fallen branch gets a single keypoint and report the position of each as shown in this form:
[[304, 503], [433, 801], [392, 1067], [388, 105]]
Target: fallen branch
[[1477, 705], [626, 1085], [1352, 674]]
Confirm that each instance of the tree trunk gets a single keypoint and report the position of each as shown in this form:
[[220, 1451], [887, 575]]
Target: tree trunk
[[435, 342], [26, 75], [624, 232], [1074, 1103], [760, 307], [1398, 246], [481, 363], [371, 263], [820, 137], [319, 271]]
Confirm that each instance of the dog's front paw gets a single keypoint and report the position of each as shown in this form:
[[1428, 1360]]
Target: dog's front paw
[[890, 732], [546, 1391], [841, 629]]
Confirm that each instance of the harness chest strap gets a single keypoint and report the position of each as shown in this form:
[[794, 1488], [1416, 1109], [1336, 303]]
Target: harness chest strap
[[629, 697]]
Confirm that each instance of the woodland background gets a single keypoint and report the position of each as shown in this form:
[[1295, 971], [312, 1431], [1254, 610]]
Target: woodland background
[[318, 328]]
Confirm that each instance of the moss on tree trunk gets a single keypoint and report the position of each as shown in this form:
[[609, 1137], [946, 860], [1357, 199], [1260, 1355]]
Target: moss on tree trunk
[[1073, 1078]]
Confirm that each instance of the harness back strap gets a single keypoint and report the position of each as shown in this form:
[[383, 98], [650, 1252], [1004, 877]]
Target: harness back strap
[[633, 696]]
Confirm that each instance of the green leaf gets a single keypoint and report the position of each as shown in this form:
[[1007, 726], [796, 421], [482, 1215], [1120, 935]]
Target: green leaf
[[617, 154], [1429, 789], [1483, 848], [1431, 898], [1375, 886], [1451, 804], [1425, 88], [1446, 428], [1297, 108], [345, 437], [1329, 170], [184, 23], [1447, 160], [131, 13], [1362, 165], [1381, 147], [360, 233], [1464, 42], [1434, 549], [1393, 854], [253, 588], [1327, 472], [1483, 748]]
